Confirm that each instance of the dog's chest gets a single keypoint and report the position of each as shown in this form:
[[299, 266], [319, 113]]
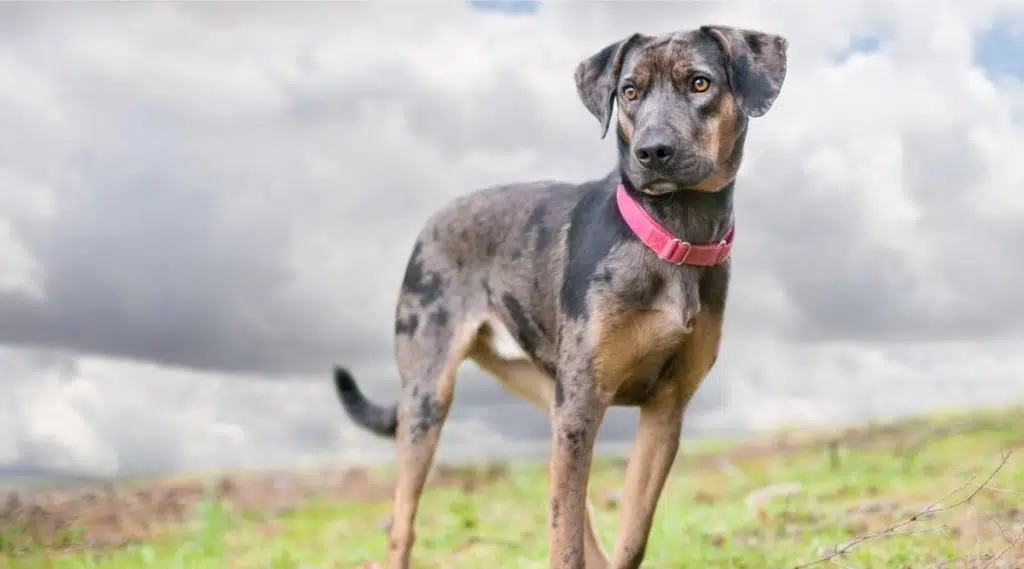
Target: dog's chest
[[649, 319]]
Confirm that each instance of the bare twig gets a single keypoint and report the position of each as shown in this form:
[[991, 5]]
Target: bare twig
[[1003, 551], [931, 510], [1004, 491], [1002, 530]]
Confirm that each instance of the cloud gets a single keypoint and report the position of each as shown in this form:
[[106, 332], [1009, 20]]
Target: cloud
[[65, 416], [84, 416], [202, 208]]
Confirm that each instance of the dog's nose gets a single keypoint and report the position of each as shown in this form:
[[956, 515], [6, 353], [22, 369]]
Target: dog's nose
[[655, 152]]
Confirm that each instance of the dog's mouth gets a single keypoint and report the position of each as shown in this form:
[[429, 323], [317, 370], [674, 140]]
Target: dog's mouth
[[659, 187], [686, 176]]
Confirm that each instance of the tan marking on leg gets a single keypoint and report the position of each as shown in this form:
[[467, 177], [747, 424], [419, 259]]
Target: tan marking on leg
[[657, 441], [593, 550], [521, 377], [651, 459]]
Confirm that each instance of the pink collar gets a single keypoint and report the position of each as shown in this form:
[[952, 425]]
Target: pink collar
[[666, 245]]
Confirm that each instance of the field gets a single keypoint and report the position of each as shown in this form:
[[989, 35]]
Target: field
[[939, 491]]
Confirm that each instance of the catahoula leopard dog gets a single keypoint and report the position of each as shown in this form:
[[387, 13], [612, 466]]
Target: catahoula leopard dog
[[612, 292]]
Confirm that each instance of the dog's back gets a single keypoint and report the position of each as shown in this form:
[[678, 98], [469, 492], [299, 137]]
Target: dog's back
[[494, 252], [517, 225]]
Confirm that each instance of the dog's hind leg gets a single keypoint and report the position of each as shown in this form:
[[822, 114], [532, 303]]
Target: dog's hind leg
[[427, 361]]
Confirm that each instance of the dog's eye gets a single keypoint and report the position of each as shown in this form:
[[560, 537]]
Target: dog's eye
[[700, 84], [630, 93]]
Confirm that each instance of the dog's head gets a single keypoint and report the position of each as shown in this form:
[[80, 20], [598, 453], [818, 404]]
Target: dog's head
[[683, 102]]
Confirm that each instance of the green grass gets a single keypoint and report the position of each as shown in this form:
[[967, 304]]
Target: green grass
[[703, 519]]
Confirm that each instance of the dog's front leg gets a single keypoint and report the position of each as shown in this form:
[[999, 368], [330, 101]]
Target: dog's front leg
[[654, 451], [575, 419]]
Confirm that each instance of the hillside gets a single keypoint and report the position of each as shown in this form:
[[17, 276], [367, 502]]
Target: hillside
[[928, 492]]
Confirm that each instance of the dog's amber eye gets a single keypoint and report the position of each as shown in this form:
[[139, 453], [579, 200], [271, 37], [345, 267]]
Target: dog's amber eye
[[700, 84], [630, 93]]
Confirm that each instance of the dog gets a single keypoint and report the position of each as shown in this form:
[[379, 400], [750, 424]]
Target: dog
[[580, 297]]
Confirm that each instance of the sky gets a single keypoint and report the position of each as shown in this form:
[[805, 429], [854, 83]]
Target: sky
[[204, 206]]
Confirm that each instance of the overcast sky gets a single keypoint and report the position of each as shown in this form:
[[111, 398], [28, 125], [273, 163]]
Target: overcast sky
[[205, 205]]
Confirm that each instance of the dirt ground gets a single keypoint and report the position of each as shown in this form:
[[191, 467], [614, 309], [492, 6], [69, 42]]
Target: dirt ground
[[117, 514]]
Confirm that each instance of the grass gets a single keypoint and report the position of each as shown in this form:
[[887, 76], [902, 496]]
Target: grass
[[868, 479]]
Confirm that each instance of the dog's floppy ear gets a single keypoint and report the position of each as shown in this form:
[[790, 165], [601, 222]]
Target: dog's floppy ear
[[597, 79], [756, 64]]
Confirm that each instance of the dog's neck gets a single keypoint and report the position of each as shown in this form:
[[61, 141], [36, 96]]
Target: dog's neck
[[690, 215]]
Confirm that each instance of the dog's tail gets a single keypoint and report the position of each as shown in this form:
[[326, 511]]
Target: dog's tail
[[377, 419]]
